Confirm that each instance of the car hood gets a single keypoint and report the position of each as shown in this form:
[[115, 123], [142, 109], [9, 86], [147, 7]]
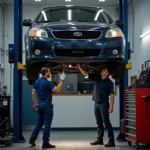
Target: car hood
[[74, 26]]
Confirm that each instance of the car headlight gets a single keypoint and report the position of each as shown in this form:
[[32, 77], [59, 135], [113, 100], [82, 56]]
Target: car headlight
[[114, 33], [37, 32]]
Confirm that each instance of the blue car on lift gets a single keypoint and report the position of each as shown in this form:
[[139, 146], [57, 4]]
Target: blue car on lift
[[61, 36]]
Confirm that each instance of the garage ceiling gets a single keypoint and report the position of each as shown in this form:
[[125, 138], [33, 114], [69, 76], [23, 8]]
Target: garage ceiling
[[62, 2]]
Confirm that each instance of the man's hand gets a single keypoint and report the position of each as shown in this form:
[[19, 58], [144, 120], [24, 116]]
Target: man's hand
[[62, 76], [78, 66], [50, 74], [111, 109], [35, 106], [82, 71], [50, 71]]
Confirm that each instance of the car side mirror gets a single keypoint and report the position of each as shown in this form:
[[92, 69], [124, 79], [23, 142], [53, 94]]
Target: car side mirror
[[27, 22], [120, 23]]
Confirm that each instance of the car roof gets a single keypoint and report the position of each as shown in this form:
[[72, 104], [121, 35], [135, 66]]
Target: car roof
[[53, 6]]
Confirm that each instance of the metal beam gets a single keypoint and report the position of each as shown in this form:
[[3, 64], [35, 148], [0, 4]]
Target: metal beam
[[17, 99], [123, 15]]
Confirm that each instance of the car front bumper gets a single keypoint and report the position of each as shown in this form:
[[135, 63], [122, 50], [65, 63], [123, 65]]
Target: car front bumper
[[48, 47]]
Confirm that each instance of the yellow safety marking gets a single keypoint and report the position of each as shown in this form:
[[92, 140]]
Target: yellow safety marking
[[21, 66], [129, 65]]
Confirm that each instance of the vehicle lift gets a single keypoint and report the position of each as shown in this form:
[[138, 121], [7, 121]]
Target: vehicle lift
[[15, 56]]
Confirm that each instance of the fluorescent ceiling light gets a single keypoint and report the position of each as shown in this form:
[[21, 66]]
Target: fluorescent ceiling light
[[101, 0], [69, 5], [71, 23], [37, 0], [145, 34], [69, 14], [97, 14], [45, 17], [68, 0]]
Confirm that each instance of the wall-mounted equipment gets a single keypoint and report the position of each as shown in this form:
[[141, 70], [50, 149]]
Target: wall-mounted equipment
[[11, 55]]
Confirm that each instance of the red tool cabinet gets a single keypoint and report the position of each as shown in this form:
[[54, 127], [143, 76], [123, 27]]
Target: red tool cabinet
[[137, 115]]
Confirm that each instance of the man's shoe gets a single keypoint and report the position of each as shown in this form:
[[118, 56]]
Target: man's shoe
[[32, 143], [48, 146], [110, 144], [97, 142]]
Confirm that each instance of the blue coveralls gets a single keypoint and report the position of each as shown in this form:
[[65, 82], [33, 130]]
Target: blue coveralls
[[102, 90], [45, 109]]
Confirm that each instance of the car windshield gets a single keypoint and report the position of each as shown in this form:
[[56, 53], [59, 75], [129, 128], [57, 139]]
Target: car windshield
[[74, 13]]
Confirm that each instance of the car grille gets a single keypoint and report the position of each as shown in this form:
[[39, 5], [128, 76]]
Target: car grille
[[77, 52], [79, 35]]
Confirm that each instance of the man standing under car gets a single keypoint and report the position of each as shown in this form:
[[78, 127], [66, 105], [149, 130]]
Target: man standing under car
[[44, 89], [103, 88]]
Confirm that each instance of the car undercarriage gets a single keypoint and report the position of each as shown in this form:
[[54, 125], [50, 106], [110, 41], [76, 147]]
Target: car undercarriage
[[116, 69]]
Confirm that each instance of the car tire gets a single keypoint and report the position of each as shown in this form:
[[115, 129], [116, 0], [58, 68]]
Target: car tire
[[119, 71], [32, 73], [8, 143], [31, 82], [13, 139]]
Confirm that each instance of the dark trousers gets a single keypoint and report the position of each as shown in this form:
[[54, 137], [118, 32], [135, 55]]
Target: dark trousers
[[102, 118], [45, 116]]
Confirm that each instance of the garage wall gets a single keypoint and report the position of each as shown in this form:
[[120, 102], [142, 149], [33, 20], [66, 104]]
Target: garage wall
[[79, 108], [1, 25], [141, 25], [1, 44]]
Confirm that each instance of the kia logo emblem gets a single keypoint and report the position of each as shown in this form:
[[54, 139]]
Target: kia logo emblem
[[78, 34]]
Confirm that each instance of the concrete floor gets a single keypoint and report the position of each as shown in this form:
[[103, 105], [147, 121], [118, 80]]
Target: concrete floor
[[67, 140]]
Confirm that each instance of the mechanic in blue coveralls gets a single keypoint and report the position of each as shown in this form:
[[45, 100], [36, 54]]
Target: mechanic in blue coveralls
[[103, 88], [44, 107]]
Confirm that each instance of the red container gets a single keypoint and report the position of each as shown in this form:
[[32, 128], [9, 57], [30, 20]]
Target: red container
[[137, 115]]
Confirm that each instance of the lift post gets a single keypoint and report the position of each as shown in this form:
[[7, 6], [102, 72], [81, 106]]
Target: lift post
[[17, 97], [123, 15]]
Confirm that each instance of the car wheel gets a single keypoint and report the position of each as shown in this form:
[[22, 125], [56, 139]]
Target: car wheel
[[8, 143], [31, 82], [13, 139], [32, 71], [129, 143], [119, 71]]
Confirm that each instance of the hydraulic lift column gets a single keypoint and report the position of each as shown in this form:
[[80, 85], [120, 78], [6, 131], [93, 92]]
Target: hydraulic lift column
[[123, 15], [17, 99]]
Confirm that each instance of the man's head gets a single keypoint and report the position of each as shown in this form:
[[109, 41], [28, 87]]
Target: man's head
[[105, 72], [45, 72]]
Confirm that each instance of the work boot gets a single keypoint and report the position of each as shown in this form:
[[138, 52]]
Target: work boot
[[32, 143], [97, 142], [48, 146], [110, 144]]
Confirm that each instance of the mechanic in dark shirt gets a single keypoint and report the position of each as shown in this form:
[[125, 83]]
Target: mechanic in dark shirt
[[103, 88], [44, 107]]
